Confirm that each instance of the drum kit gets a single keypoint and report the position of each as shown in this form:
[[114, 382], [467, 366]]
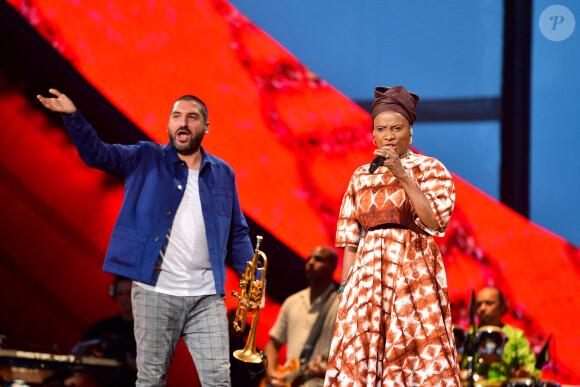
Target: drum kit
[[523, 382], [488, 344]]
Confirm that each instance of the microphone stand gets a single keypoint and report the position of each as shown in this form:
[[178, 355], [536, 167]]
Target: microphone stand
[[470, 361], [471, 343]]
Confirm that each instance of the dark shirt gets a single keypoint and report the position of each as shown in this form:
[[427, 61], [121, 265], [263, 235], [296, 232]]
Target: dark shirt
[[244, 374], [117, 341]]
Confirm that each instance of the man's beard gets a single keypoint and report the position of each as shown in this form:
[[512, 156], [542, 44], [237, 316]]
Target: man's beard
[[191, 146]]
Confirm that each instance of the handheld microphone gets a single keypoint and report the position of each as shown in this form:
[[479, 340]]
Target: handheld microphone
[[377, 162]]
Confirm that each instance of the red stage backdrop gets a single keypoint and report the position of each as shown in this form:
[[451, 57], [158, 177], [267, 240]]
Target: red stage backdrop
[[293, 141]]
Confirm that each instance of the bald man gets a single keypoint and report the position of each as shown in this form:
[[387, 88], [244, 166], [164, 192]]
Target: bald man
[[297, 317], [518, 359]]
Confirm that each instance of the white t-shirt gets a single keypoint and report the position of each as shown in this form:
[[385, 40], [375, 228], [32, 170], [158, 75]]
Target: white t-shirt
[[185, 265]]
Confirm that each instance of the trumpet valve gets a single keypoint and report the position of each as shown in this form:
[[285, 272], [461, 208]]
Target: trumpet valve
[[239, 326], [255, 295]]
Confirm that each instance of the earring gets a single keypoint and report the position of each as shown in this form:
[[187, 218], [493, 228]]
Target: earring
[[411, 138], [374, 141]]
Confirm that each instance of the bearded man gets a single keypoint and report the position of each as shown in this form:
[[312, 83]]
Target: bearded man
[[180, 216]]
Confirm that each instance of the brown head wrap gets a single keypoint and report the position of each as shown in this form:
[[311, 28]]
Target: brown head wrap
[[396, 99]]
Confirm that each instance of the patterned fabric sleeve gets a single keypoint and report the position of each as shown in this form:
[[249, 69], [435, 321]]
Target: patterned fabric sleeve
[[437, 185], [348, 228]]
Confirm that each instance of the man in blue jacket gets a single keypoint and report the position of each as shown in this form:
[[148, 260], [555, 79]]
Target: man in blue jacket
[[180, 215]]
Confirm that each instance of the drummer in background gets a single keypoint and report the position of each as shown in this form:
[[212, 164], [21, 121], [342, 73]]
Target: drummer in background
[[518, 360]]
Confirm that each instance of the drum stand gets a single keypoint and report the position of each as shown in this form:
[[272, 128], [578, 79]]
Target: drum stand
[[471, 343], [470, 352]]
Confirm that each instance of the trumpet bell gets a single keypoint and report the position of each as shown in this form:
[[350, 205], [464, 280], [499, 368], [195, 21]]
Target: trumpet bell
[[248, 356]]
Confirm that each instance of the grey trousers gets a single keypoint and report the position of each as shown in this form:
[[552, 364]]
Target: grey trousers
[[161, 319]]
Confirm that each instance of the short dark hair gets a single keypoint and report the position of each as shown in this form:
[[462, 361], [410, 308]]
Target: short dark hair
[[193, 98], [334, 257], [500, 297], [113, 288], [330, 253]]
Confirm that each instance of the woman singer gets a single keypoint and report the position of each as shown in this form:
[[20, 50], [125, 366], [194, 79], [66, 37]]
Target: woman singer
[[394, 323]]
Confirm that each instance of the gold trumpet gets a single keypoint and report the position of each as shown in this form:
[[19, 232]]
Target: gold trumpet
[[251, 297]]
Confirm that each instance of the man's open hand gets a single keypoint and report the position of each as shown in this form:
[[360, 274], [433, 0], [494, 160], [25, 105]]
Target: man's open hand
[[60, 104]]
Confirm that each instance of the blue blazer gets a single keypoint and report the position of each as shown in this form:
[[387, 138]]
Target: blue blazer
[[155, 180]]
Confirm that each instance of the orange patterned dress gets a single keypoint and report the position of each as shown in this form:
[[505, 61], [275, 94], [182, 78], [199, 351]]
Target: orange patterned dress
[[394, 322]]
